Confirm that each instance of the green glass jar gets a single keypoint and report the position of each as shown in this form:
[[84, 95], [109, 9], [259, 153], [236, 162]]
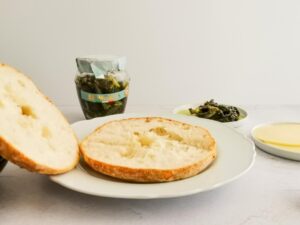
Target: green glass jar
[[102, 85]]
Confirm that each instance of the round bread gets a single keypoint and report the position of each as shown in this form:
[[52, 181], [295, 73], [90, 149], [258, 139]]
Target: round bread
[[151, 149], [33, 132]]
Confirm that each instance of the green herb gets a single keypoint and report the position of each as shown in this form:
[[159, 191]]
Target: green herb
[[107, 85], [214, 111]]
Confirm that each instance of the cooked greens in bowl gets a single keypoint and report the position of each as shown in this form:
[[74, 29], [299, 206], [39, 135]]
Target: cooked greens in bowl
[[228, 114], [214, 111]]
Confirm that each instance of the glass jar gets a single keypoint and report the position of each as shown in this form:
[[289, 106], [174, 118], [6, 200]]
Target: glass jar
[[102, 85]]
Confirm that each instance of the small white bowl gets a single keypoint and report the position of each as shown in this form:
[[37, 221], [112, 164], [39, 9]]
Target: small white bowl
[[183, 110], [277, 151]]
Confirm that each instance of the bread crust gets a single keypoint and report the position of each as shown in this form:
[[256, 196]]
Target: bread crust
[[144, 175], [9, 152]]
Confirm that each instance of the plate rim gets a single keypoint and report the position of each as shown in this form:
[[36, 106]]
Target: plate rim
[[160, 196]]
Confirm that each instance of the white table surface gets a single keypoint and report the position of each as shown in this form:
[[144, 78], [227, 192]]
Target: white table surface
[[268, 194]]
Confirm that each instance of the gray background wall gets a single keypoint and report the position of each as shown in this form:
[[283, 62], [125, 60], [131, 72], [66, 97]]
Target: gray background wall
[[242, 52]]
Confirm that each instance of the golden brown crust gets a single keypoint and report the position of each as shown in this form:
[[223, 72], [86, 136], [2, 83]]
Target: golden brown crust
[[9, 152], [152, 175], [149, 175]]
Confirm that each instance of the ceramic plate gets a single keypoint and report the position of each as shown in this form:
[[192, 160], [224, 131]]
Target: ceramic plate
[[236, 155], [281, 152], [183, 109]]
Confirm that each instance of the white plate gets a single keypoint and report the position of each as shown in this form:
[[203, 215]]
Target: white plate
[[236, 155], [234, 124], [294, 155]]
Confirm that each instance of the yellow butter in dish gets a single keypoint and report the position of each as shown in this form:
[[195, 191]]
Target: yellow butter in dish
[[280, 139], [285, 136]]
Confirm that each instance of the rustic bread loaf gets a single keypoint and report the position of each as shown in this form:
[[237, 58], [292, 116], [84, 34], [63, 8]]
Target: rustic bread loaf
[[149, 149], [33, 133]]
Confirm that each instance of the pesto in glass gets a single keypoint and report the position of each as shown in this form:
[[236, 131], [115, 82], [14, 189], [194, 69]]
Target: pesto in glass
[[102, 86]]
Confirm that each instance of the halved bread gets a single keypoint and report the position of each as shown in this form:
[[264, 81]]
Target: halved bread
[[33, 132], [151, 149]]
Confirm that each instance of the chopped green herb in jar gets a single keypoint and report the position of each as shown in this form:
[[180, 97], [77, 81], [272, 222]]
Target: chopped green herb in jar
[[101, 96]]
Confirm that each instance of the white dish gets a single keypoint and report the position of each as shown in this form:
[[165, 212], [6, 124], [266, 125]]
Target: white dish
[[277, 151], [236, 155], [235, 124]]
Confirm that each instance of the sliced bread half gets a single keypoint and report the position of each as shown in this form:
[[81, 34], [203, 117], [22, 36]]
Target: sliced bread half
[[151, 149], [33, 132]]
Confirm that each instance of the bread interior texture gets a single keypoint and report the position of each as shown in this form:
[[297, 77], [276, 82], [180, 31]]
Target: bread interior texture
[[154, 143], [32, 126]]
